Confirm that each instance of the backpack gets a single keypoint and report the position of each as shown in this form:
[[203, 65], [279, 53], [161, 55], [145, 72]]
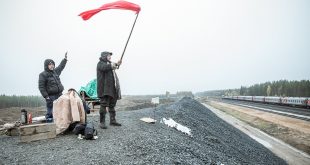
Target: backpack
[[79, 129], [89, 131]]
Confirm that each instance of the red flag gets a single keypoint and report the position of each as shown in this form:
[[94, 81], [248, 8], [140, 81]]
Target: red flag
[[113, 5]]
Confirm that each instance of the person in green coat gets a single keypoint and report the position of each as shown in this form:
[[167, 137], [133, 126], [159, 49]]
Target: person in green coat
[[108, 89]]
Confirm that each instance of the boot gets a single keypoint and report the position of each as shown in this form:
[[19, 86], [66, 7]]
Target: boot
[[113, 120], [102, 121]]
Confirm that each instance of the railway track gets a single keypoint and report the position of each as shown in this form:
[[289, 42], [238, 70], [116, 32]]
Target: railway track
[[294, 112]]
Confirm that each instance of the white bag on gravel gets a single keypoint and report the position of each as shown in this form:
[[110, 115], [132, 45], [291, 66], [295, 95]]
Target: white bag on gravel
[[171, 123]]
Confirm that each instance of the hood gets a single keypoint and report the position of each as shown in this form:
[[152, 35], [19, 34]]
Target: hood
[[104, 56], [46, 62]]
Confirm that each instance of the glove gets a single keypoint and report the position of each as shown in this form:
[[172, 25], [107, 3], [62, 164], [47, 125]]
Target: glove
[[114, 65], [119, 63]]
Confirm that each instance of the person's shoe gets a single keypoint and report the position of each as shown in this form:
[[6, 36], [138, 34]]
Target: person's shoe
[[49, 120], [114, 123], [103, 126], [113, 120]]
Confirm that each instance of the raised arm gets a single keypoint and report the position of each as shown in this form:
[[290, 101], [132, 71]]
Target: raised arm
[[61, 66]]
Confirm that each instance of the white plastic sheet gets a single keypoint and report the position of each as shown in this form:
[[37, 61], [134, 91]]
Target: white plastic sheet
[[171, 123]]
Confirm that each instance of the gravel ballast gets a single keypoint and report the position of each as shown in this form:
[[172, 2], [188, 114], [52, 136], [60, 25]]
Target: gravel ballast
[[213, 141]]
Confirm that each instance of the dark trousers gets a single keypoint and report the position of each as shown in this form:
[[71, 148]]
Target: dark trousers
[[107, 101], [49, 105]]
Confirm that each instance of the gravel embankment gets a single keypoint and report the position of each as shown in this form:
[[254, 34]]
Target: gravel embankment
[[213, 142]]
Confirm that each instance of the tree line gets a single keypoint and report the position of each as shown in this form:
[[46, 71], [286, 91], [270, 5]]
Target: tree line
[[21, 101], [283, 88]]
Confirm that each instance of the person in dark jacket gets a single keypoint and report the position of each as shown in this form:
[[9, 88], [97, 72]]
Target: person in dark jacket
[[108, 89], [50, 85]]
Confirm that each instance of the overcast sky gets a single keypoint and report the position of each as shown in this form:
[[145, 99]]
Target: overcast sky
[[177, 45]]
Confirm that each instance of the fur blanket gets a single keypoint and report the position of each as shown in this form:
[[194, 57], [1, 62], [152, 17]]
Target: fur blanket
[[68, 109]]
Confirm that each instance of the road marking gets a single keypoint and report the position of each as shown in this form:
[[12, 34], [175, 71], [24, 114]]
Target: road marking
[[270, 110]]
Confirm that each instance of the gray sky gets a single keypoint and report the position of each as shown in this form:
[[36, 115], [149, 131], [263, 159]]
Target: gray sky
[[176, 45]]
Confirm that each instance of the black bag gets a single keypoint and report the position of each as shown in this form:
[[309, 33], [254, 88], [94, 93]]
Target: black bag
[[79, 129], [90, 131]]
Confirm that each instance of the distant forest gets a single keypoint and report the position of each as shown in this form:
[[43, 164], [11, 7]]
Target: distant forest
[[21, 101], [283, 88]]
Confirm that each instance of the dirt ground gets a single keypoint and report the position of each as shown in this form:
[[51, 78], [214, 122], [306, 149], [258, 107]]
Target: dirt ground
[[126, 103], [14, 113], [292, 131]]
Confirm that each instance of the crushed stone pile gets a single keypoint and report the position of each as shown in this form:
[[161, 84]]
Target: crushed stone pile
[[213, 141]]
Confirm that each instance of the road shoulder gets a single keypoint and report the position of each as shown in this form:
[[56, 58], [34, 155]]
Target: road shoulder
[[281, 149]]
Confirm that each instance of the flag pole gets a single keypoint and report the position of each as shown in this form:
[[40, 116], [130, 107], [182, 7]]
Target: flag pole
[[129, 38]]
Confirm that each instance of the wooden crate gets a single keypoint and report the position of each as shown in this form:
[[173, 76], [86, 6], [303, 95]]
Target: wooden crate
[[12, 132], [36, 132]]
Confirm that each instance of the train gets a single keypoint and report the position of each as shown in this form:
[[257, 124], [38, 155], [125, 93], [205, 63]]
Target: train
[[290, 101]]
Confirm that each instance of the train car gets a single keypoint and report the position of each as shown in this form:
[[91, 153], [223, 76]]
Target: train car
[[259, 98], [248, 98], [276, 100], [235, 97], [293, 101], [300, 101], [226, 97], [241, 97]]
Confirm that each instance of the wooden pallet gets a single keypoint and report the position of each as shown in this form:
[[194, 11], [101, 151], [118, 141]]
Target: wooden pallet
[[12, 132], [34, 132]]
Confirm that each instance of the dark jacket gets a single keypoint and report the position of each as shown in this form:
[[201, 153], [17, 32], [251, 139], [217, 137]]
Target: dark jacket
[[49, 81], [105, 78]]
